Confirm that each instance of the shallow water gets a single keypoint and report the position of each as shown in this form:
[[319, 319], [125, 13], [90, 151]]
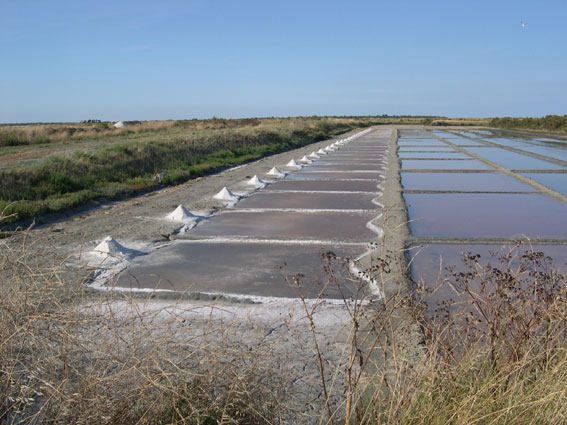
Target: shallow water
[[553, 152], [486, 216], [288, 225], [424, 149], [489, 182], [515, 143], [429, 264], [555, 181], [466, 142], [421, 142], [438, 164], [433, 155], [445, 134], [243, 269], [513, 160]]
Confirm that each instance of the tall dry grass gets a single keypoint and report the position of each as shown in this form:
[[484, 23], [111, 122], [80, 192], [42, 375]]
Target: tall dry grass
[[497, 357]]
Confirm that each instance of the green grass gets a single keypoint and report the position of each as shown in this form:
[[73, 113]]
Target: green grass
[[553, 123], [114, 171]]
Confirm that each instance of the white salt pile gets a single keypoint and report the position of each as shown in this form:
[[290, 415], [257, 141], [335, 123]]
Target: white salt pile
[[305, 159], [329, 148], [275, 172], [321, 152], [182, 215], [293, 164], [109, 247], [226, 195], [313, 155], [256, 182]]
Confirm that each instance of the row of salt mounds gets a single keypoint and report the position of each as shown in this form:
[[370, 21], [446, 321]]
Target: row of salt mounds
[[182, 215], [256, 182], [276, 173], [226, 196], [293, 164]]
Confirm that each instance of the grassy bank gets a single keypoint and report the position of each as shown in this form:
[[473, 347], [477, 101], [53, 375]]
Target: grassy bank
[[550, 123], [184, 150]]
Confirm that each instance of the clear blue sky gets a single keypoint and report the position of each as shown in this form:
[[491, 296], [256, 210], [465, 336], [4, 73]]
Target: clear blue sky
[[123, 60]]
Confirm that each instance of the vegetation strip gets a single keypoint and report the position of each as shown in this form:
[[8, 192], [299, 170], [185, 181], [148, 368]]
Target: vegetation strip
[[116, 170]]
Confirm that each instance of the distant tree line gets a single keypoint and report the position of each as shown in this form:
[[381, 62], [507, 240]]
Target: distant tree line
[[556, 123]]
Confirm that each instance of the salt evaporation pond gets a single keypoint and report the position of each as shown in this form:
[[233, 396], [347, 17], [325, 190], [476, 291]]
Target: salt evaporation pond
[[254, 269], [487, 182], [461, 215], [346, 201], [555, 181], [443, 164], [324, 185], [435, 264], [483, 221], [289, 225], [329, 204]]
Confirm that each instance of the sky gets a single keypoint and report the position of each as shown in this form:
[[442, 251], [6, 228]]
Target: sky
[[66, 61]]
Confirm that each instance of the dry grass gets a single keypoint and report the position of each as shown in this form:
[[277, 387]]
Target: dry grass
[[67, 356]]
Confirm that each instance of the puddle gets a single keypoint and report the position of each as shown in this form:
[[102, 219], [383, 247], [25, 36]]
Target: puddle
[[246, 269], [513, 160], [433, 155], [314, 175], [490, 182], [288, 225], [555, 181], [324, 185], [332, 201], [442, 164], [486, 216]]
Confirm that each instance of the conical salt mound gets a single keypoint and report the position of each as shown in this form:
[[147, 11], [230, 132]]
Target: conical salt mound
[[226, 195], [110, 247], [305, 159], [313, 155], [293, 164], [256, 182], [329, 148], [275, 172], [180, 214], [321, 152]]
